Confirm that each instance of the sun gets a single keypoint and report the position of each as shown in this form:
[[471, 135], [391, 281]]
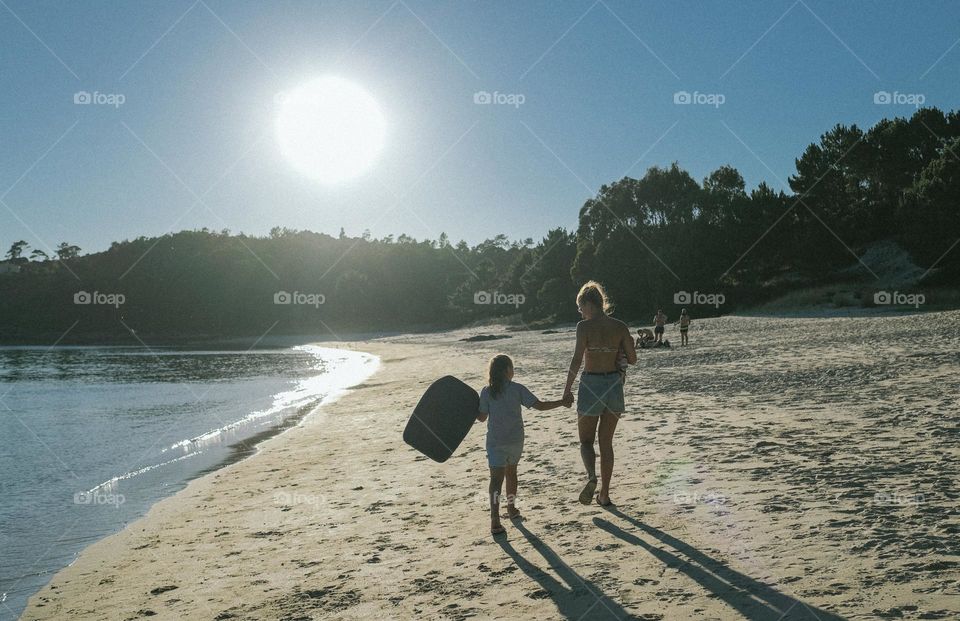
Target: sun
[[330, 129]]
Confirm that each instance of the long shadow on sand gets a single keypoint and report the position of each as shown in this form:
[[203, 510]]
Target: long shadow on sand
[[578, 598], [752, 599]]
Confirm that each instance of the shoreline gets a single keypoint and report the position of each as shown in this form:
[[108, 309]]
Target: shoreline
[[231, 342], [237, 449], [99, 550], [726, 506]]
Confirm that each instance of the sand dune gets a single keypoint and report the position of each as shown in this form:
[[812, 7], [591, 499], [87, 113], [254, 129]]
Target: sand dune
[[775, 469]]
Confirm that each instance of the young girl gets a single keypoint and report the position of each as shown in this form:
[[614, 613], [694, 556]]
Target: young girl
[[500, 400]]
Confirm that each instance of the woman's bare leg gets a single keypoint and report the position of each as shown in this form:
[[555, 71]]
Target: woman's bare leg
[[587, 428], [608, 424]]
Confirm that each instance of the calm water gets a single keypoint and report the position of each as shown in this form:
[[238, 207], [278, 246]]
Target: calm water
[[91, 437]]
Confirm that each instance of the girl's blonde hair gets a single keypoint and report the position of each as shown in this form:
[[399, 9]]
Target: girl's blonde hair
[[497, 373], [594, 293]]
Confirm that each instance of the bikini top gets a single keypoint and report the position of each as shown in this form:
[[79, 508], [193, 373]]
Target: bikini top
[[610, 350]]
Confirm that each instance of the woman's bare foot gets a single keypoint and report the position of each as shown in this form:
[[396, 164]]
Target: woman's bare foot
[[513, 513], [604, 501], [497, 528], [587, 493]]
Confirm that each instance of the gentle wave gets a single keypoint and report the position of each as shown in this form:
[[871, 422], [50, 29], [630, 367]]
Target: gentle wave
[[339, 369], [110, 483]]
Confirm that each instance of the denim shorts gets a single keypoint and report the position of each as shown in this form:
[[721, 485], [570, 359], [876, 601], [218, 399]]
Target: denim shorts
[[599, 392], [502, 455]]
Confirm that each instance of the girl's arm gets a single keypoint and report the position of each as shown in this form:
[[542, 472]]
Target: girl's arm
[[481, 416], [547, 405]]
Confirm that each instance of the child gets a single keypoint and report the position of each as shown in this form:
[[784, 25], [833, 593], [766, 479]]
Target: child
[[501, 399], [684, 326]]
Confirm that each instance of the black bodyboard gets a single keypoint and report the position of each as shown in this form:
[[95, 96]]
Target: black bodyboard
[[442, 418]]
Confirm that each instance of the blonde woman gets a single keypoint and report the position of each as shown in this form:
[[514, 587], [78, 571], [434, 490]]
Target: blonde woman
[[601, 339]]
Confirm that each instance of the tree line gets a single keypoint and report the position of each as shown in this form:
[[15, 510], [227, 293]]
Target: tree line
[[650, 240]]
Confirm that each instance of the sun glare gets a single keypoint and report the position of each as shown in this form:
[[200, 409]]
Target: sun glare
[[330, 129]]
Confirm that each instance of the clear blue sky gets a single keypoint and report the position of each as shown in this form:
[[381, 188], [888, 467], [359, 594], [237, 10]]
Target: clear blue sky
[[598, 81]]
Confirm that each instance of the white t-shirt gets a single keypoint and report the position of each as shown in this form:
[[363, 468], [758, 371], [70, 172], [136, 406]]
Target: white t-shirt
[[505, 422]]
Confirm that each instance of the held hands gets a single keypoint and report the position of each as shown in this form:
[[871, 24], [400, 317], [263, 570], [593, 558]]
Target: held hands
[[567, 399]]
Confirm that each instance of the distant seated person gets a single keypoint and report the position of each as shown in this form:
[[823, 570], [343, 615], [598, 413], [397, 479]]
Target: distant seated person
[[644, 338]]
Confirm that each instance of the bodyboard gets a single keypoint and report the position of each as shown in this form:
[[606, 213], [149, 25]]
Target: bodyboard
[[442, 418]]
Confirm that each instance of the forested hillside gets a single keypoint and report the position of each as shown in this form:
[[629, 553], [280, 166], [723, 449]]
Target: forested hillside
[[649, 240]]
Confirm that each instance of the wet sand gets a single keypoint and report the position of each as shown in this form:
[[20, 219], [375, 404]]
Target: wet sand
[[774, 469]]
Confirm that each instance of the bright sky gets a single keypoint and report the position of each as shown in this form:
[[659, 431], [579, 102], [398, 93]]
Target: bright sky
[[184, 133]]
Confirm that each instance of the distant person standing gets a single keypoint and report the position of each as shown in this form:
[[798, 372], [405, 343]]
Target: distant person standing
[[659, 321], [684, 326]]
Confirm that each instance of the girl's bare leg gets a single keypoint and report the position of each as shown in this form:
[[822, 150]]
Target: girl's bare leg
[[512, 483], [496, 485]]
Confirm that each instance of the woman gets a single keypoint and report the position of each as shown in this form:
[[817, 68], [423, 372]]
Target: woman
[[601, 339]]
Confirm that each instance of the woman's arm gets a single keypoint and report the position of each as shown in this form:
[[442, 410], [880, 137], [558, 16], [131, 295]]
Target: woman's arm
[[577, 359], [628, 346], [482, 416]]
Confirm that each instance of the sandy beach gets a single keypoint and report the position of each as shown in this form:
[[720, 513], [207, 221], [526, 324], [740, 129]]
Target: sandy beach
[[774, 469]]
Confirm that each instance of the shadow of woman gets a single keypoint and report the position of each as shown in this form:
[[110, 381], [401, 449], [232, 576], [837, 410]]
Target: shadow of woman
[[751, 598], [575, 597]]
